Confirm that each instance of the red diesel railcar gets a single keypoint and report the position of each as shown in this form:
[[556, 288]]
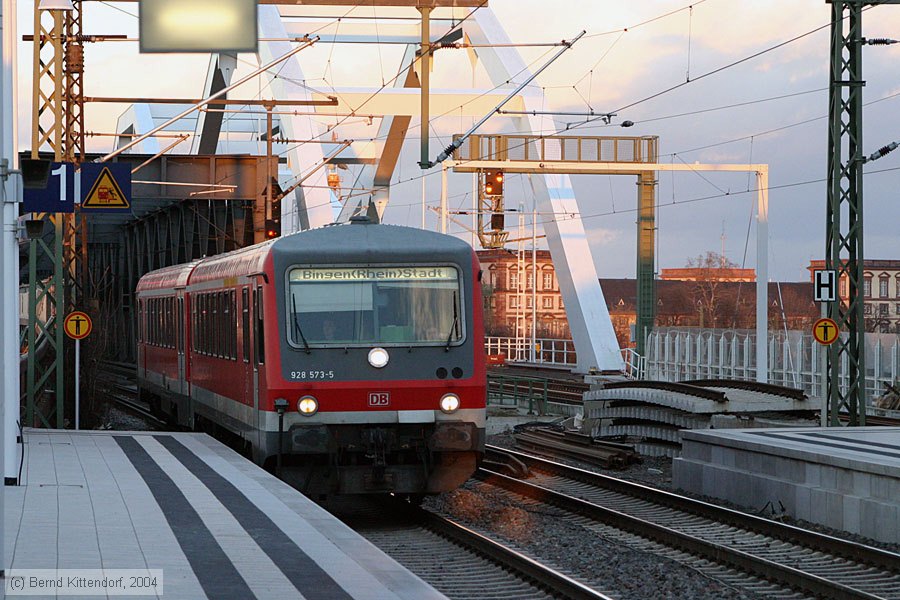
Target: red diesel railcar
[[367, 338]]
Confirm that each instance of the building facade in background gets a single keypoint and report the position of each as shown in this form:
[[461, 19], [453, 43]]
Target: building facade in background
[[692, 297], [881, 293]]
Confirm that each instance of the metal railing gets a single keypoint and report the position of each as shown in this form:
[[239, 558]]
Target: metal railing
[[559, 148], [795, 359], [635, 364], [546, 351], [516, 391]]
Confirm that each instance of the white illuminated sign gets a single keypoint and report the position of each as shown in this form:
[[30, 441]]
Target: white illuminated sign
[[374, 274]]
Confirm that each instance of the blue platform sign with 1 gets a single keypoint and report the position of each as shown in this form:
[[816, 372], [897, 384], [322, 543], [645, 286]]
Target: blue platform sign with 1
[[59, 195]]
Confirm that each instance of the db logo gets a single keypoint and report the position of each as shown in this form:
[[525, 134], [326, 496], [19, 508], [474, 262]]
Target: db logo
[[379, 398]]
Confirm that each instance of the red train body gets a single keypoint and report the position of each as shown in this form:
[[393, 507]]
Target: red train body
[[368, 337]]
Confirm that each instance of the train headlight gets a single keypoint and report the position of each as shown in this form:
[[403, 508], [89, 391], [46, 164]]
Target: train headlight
[[378, 357], [307, 406], [450, 403]]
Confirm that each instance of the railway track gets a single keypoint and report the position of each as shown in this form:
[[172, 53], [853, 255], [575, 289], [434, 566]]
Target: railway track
[[742, 550], [119, 383], [458, 561]]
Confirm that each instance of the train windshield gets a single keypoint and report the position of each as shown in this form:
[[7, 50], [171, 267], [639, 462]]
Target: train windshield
[[362, 306]]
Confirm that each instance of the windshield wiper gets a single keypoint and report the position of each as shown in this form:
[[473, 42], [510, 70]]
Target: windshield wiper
[[297, 323], [453, 325]]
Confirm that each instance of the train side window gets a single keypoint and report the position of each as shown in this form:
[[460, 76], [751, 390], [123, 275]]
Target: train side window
[[259, 329]]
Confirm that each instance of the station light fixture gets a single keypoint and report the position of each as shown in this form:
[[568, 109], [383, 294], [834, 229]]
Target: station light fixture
[[198, 25], [56, 5]]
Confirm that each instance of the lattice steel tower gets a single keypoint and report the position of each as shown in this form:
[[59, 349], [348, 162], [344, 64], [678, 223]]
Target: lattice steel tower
[[844, 212]]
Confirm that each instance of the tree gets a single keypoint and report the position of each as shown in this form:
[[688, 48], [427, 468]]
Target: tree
[[710, 271]]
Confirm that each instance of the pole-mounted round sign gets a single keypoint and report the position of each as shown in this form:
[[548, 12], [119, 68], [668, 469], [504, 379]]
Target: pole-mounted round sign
[[77, 325], [825, 331]]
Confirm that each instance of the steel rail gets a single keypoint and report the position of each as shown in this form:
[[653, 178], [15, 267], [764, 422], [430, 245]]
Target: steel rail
[[811, 539], [668, 386], [752, 386], [552, 580], [821, 586], [795, 578]]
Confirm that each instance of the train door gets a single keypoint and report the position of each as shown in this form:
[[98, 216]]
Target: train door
[[246, 367], [259, 355], [179, 342]]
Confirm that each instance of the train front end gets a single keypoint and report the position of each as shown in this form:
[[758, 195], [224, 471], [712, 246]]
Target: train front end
[[382, 371]]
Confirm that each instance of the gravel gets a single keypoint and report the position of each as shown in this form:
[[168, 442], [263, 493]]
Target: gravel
[[119, 420], [657, 472], [570, 547], [543, 533]]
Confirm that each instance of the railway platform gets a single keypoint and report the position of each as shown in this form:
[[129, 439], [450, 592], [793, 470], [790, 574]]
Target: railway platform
[[846, 478], [211, 523]]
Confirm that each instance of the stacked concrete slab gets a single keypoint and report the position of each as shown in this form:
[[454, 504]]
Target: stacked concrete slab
[[842, 478], [655, 414]]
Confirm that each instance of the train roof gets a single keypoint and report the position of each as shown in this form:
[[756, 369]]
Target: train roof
[[238, 263], [359, 240], [176, 276]]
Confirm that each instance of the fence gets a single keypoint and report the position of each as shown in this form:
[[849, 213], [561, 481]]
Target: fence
[[546, 351], [795, 359], [515, 392]]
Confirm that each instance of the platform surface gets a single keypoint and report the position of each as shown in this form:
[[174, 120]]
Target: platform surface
[[846, 478], [872, 449], [215, 524]]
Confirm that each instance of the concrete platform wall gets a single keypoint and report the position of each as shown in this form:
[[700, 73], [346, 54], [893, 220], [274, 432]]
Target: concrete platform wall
[[851, 496]]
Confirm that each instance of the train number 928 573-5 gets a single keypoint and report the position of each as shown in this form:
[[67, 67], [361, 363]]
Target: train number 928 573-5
[[312, 374]]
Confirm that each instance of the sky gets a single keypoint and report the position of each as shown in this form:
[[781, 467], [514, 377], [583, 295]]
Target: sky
[[781, 99]]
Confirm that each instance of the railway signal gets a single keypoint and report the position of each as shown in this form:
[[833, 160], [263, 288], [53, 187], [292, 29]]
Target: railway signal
[[273, 229], [273, 224], [493, 183]]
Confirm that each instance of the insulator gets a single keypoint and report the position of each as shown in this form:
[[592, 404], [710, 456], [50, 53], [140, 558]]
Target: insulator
[[882, 151], [75, 58], [880, 41]]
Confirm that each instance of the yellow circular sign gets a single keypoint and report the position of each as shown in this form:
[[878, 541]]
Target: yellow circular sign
[[78, 325], [825, 331]]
